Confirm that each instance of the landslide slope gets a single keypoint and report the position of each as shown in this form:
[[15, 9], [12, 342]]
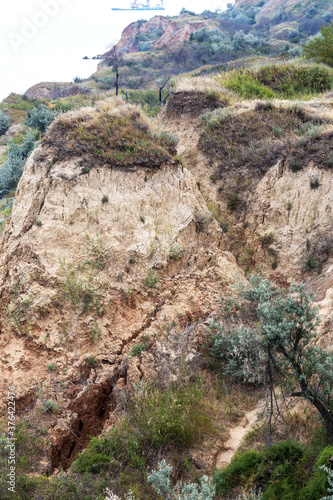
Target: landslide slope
[[110, 240], [264, 169]]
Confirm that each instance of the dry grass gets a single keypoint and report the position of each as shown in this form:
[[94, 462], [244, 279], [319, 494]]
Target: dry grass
[[256, 137], [247, 141], [110, 133], [199, 83]]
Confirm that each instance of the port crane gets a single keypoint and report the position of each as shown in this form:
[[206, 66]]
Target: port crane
[[137, 5]]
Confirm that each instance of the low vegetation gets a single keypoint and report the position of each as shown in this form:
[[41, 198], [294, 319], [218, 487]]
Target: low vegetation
[[253, 140], [283, 470], [112, 133], [281, 80]]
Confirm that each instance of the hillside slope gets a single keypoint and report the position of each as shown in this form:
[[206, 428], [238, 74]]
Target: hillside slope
[[99, 258]]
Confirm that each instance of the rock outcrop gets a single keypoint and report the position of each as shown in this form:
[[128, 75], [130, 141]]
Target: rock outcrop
[[51, 90], [170, 32]]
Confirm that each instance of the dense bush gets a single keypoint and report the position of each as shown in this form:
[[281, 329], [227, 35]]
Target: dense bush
[[245, 84], [281, 470], [210, 43], [291, 80], [286, 80], [320, 48], [4, 123], [12, 170], [148, 99], [40, 118]]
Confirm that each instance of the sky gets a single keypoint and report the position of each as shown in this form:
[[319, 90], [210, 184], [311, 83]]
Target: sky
[[46, 40]]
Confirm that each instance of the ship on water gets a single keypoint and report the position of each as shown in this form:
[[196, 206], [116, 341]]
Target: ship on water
[[136, 5]]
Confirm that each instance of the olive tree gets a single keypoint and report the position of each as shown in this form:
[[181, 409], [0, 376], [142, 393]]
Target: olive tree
[[269, 335]]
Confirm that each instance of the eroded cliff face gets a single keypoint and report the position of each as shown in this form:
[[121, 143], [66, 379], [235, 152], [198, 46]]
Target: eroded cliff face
[[170, 32], [51, 90], [282, 224], [97, 258]]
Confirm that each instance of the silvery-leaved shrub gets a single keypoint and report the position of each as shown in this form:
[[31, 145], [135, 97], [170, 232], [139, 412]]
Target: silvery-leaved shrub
[[4, 123], [112, 496], [161, 481], [253, 494], [40, 117], [12, 169]]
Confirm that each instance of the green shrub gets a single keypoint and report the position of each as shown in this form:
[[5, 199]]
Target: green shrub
[[309, 263], [314, 182], [242, 466], [177, 418], [169, 139], [52, 367], [317, 486], [12, 169], [151, 279], [293, 80], [247, 86], [213, 119], [278, 131], [286, 80], [91, 361], [92, 462], [251, 466], [40, 118], [98, 253], [4, 123], [202, 221], [310, 129], [295, 164], [137, 350], [329, 160], [320, 48], [266, 239], [49, 406]]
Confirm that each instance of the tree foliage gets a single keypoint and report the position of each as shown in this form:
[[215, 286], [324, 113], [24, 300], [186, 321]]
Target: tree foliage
[[320, 48], [277, 345]]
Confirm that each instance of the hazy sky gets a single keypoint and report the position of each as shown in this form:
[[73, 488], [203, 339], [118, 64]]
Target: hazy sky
[[45, 40]]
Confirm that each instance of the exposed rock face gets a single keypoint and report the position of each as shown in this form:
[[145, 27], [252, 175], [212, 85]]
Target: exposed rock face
[[173, 32], [281, 204], [82, 303], [300, 217], [53, 91]]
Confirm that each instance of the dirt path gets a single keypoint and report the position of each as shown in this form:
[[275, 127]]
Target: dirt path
[[237, 435]]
